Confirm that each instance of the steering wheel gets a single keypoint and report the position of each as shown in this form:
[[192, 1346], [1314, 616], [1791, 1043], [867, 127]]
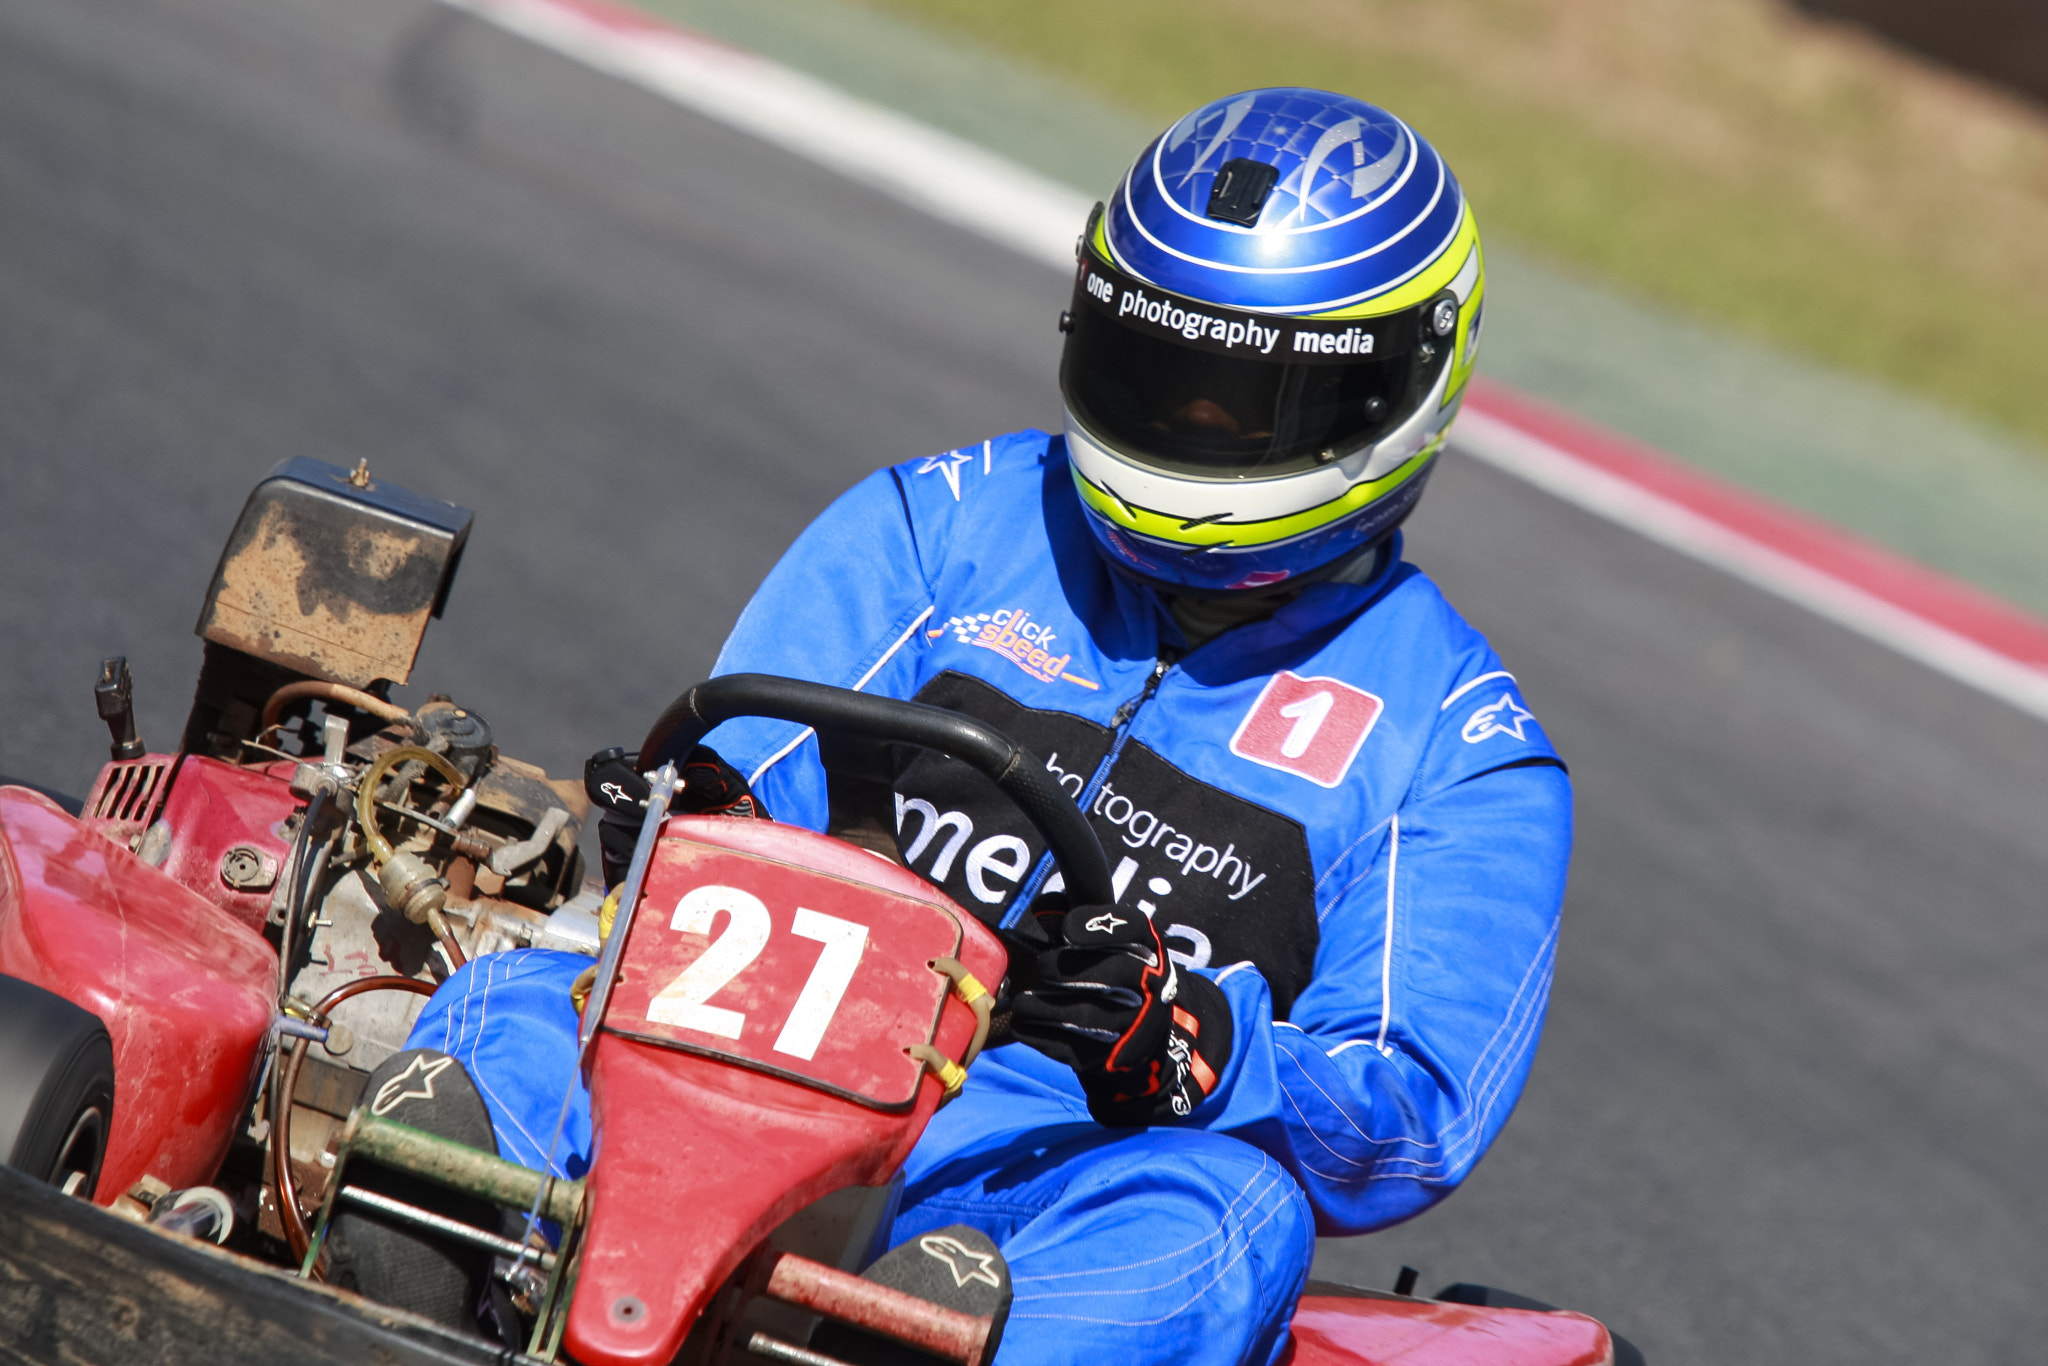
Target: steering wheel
[[1017, 773]]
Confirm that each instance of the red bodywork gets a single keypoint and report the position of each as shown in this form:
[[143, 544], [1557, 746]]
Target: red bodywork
[[696, 1159], [185, 989], [1329, 1331], [214, 807]]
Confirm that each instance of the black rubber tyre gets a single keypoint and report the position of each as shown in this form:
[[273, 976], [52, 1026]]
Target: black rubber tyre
[[56, 1087]]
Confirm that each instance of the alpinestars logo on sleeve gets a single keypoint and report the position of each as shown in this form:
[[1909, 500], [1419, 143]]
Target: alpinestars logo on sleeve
[[1012, 634], [948, 464], [1505, 717]]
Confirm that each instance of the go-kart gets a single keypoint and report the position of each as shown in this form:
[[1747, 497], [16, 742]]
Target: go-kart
[[206, 963]]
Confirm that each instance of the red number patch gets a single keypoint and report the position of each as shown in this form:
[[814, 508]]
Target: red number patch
[[784, 969], [1310, 727]]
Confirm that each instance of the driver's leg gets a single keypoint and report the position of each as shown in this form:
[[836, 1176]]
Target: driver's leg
[[1125, 1245], [508, 1019]]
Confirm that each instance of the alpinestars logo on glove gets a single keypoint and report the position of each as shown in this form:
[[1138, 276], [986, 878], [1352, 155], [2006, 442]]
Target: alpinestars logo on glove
[[1188, 1066], [1012, 634]]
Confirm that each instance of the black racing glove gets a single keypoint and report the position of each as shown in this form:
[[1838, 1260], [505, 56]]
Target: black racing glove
[[710, 787], [1147, 1041]]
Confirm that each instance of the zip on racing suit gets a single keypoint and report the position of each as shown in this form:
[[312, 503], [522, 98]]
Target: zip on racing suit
[[1345, 816]]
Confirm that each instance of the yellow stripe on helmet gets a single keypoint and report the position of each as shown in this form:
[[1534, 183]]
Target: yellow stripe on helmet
[[1467, 355], [1430, 282], [1160, 526]]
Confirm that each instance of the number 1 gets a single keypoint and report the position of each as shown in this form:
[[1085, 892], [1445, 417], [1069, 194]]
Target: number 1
[[1307, 715]]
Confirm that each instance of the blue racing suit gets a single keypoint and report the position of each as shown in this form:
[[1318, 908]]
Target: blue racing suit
[[1344, 815]]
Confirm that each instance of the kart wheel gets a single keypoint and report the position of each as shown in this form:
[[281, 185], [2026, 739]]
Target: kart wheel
[[56, 1087]]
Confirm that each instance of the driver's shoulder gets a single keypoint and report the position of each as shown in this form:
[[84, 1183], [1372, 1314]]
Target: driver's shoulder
[[977, 475]]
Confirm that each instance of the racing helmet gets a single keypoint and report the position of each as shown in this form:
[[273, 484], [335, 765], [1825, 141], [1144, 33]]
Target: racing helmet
[[1273, 323]]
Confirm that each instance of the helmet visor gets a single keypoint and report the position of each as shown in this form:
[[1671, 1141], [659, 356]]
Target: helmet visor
[[1194, 388]]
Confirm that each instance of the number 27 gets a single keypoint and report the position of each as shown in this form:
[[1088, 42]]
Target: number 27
[[684, 1002]]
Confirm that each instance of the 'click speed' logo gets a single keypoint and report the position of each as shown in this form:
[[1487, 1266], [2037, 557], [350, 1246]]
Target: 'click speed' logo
[[1012, 634]]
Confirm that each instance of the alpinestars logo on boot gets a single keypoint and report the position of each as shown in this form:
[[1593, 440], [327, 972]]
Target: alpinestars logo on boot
[[404, 1087], [1012, 634]]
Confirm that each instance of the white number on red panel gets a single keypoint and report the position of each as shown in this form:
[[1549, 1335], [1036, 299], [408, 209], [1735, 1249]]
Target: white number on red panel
[[682, 1002], [1310, 727], [1307, 716], [819, 1000], [685, 1002]]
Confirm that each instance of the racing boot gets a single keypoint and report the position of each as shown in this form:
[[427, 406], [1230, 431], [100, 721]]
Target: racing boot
[[956, 1267], [396, 1263]]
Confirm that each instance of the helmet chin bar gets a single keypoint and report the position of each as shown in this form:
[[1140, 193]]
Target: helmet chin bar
[[1284, 566]]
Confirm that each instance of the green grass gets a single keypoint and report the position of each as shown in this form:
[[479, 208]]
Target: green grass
[[1747, 167]]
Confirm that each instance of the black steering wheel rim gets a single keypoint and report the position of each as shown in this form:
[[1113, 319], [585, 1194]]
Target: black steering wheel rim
[[1018, 773]]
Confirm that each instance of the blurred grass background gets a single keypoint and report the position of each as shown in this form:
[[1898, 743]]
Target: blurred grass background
[[1789, 178]]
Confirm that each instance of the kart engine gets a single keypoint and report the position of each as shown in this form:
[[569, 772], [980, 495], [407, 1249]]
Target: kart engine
[[363, 840]]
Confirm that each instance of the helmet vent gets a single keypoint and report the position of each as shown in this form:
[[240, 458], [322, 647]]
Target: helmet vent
[[1240, 189]]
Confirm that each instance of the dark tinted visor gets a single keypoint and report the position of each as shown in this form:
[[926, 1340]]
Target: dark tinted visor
[[1198, 389]]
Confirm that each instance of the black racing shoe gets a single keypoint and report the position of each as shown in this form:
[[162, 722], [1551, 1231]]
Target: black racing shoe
[[956, 1267], [396, 1263]]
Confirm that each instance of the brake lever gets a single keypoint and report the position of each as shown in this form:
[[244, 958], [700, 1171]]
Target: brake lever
[[662, 791]]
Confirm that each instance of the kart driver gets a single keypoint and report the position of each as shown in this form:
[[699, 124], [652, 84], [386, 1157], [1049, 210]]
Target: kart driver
[[1338, 834]]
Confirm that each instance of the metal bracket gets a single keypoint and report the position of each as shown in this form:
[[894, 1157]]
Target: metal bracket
[[665, 781], [972, 994]]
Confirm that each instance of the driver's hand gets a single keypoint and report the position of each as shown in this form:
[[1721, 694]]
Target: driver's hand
[[1147, 1041], [710, 787]]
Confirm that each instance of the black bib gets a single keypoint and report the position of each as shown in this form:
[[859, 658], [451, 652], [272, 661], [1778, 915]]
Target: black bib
[[1225, 880]]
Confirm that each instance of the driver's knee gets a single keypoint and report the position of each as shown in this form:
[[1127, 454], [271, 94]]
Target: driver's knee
[[1175, 1244], [509, 1020], [1241, 1221]]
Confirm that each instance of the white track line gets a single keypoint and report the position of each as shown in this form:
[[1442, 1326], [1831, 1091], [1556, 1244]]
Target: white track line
[[945, 176], [1557, 472], [967, 185]]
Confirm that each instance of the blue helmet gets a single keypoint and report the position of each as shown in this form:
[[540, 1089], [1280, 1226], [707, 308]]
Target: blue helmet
[[1274, 320]]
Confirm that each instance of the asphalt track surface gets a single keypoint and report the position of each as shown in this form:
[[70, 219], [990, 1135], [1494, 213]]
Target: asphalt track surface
[[1791, 1102]]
